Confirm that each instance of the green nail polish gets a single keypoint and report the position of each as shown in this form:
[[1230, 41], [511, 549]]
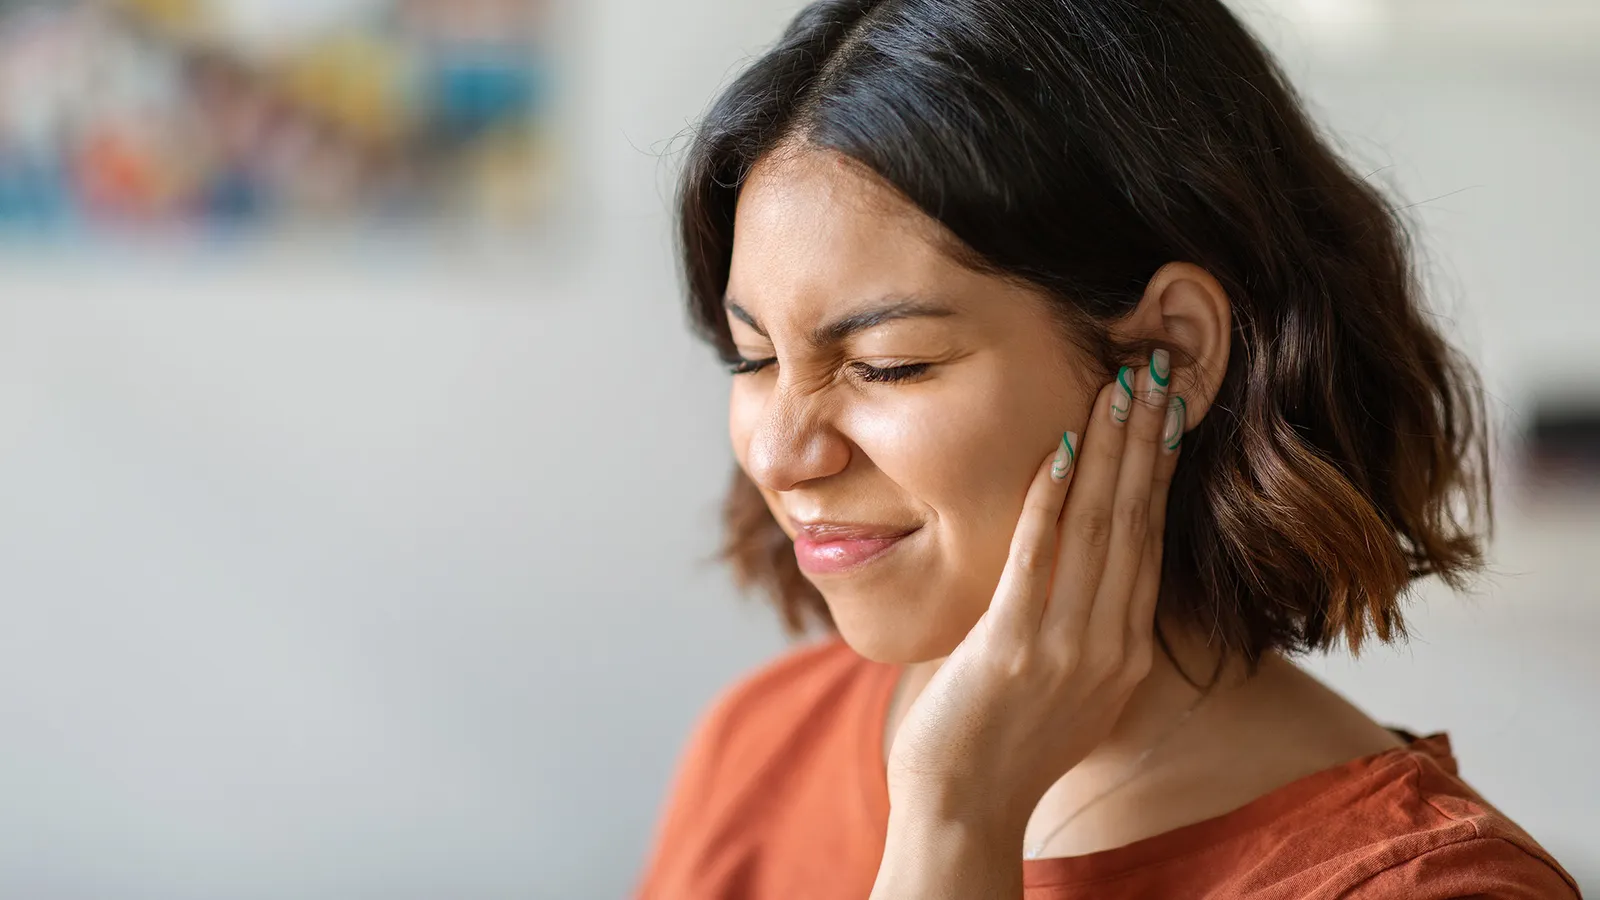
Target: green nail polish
[[1160, 368], [1121, 406], [1177, 413], [1066, 454]]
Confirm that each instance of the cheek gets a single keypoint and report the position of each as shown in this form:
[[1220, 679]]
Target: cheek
[[961, 452]]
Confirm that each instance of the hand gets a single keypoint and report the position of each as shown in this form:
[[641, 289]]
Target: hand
[[1044, 675]]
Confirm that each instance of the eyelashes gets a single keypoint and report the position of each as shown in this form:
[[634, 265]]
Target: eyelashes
[[874, 374], [743, 366], [889, 374]]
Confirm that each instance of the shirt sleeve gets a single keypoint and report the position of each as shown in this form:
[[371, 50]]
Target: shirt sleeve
[[1493, 868], [691, 786]]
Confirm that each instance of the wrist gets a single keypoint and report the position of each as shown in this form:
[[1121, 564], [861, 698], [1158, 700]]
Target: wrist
[[969, 828], [958, 808], [975, 830], [934, 855]]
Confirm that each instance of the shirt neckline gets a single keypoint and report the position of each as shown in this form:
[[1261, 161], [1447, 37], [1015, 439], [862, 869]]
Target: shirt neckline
[[1148, 851]]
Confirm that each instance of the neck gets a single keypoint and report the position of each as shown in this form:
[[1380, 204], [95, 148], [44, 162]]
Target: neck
[[1155, 708]]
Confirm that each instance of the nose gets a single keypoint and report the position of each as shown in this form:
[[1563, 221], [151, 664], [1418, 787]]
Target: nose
[[795, 440]]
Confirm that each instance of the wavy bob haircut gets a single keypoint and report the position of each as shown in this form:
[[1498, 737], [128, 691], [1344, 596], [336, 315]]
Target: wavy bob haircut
[[1079, 145]]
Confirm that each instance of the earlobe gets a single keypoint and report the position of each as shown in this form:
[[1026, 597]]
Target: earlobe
[[1187, 309]]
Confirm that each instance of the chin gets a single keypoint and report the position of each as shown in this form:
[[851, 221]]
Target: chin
[[898, 632]]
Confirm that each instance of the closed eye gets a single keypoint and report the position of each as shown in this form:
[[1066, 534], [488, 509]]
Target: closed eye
[[742, 366], [868, 373], [889, 373]]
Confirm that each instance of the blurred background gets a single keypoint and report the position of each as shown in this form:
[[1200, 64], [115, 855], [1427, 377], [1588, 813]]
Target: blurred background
[[330, 331], [185, 116]]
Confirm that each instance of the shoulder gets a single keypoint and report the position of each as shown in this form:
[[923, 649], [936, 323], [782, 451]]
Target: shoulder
[[810, 710], [1445, 840], [1501, 868]]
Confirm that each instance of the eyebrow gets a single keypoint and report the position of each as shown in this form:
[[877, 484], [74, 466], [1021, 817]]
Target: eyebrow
[[887, 309]]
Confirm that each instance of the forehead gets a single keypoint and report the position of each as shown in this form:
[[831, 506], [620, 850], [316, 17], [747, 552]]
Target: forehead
[[814, 232]]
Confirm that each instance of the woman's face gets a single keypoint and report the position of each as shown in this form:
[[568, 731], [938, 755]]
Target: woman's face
[[908, 405]]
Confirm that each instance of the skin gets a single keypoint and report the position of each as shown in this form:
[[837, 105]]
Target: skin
[[1021, 607], [937, 451]]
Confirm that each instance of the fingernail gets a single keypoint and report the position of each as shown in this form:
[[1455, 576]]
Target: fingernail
[[1122, 400], [1172, 435], [1160, 373], [1152, 381], [1066, 455]]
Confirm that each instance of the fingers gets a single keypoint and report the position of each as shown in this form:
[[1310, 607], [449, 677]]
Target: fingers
[[1147, 588], [1024, 590], [1087, 566], [1086, 522], [1130, 510]]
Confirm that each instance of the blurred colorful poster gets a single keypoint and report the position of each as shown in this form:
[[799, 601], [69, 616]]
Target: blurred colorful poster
[[219, 114]]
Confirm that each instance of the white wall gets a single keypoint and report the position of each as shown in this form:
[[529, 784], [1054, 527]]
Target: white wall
[[1497, 153], [326, 576]]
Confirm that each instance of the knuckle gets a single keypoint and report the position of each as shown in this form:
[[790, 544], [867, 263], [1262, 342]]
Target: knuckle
[[1094, 526], [1134, 514], [1031, 560], [1068, 659], [1017, 662]]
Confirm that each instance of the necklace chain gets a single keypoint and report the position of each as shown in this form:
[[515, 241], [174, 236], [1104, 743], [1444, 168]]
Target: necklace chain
[[1133, 770]]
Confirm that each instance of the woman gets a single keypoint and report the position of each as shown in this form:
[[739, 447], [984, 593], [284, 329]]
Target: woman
[[1076, 385]]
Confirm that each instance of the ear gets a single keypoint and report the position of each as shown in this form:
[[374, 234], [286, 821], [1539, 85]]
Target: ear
[[1184, 307]]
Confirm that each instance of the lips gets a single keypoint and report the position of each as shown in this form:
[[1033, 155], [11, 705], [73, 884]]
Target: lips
[[823, 548]]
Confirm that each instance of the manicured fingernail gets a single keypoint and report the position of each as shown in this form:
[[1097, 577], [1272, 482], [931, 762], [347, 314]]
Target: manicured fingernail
[[1172, 435], [1066, 455], [1122, 400], [1160, 373], [1152, 381]]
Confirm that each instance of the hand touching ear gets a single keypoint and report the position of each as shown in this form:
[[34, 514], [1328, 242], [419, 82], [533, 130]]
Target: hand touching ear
[[1043, 676], [1184, 307]]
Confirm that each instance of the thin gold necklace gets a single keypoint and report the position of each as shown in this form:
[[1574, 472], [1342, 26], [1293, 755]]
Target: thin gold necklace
[[1133, 770]]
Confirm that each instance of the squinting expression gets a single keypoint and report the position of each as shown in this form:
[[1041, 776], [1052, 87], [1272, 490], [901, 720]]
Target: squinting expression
[[893, 405]]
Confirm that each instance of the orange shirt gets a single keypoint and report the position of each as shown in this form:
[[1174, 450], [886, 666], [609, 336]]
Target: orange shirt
[[782, 794]]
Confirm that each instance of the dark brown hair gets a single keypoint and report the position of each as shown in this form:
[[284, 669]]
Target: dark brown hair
[[1079, 145]]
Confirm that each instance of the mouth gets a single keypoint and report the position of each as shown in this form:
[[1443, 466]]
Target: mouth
[[828, 548]]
